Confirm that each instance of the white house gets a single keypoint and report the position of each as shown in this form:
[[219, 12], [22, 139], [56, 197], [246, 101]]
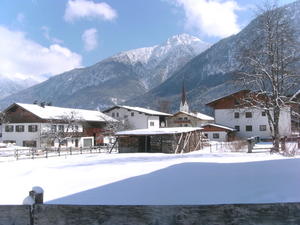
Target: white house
[[216, 132], [248, 122], [30, 123], [189, 119], [140, 118]]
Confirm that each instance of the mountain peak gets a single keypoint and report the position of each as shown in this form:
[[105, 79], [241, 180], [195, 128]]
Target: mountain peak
[[183, 38]]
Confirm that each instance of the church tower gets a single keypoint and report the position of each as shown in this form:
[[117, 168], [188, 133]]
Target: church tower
[[183, 104]]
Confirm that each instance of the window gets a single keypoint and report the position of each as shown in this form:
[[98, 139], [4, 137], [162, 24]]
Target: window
[[236, 115], [248, 114], [262, 127], [237, 128], [180, 118], [248, 128], [113, 114], [186, 125], [117, 114], [9, 128], [31, 144], [206, 135], [151, 124], [19, 128], [61, 128], [263, 113], [87, 142], [53, 128], [132, 114], [185, 118], [216, 135], [32, 128]]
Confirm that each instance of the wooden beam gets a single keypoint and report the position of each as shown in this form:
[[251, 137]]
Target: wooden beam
[[178, 143], [186, 141]]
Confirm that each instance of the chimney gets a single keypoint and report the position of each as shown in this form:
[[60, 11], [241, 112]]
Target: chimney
[[35, 102], [49, 104], [43, 104]]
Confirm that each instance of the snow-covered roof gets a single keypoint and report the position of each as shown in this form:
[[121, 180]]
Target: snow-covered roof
[[139, 109], [198, 115], [52, 112], [219, 126], [168, 130]]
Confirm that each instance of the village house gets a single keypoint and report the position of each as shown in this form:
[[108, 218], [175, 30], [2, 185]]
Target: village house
[[247, 121], [216, 132], [138, 118], [29, 125]]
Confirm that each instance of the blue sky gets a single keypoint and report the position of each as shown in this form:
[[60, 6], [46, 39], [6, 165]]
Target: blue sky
[[41, 38]]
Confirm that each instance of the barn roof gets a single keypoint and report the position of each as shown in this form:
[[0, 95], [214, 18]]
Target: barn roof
[[53, 112], [158, 131]]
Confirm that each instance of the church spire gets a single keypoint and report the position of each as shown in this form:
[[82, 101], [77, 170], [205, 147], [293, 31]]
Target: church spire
[[183, 104]]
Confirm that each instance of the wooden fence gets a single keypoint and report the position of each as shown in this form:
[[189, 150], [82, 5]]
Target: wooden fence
[[233, 214], [29, 153]]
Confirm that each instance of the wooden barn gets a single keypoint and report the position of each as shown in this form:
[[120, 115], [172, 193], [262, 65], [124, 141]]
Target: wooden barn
[[165, 140]]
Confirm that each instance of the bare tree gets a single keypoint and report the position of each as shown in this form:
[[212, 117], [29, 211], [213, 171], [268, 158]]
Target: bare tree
[[62, 127], [270, 62], [163, 105]]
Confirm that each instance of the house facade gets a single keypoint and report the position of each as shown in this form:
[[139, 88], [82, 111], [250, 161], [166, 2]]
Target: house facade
[[138, 118], [189, 119], [40, 126], [247, 121], [216, 132]]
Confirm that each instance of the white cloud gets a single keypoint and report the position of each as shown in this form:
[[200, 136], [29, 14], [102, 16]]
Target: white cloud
[[89, 38], [214, 18], [21, 57], [88, 10], [48, 37]]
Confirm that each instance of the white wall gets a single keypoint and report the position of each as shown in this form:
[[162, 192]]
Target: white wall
[[226, 117], [139, 120], [19, 137], [222, 135]]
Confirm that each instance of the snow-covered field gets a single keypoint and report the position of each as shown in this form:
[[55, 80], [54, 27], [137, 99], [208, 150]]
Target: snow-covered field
[[199, 177]]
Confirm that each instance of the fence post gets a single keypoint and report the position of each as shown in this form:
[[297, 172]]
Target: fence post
[[32, 153], [250, 142], [16, 154], [70, 150], [80, 149], [298, 140], [46, 150]]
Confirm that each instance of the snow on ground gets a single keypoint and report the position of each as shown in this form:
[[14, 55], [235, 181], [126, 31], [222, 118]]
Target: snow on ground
[[199, 177]]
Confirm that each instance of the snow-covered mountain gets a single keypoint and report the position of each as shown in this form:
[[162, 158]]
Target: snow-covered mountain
[[9, 86], [158, 63], [115, 79]]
